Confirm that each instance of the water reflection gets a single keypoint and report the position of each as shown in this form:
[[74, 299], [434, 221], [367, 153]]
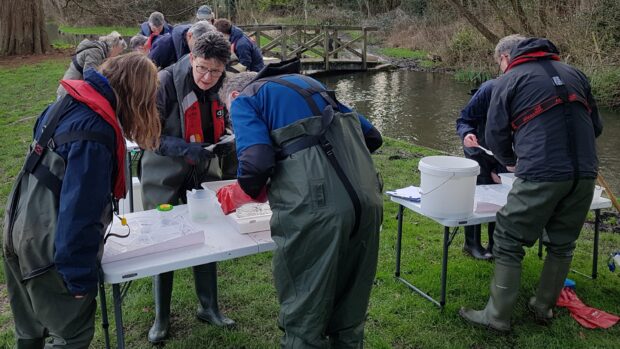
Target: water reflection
[[422, 108]]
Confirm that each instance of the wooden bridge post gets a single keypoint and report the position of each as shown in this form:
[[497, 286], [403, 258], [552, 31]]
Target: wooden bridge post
[[364, 47], [283, 44], [326, 46]]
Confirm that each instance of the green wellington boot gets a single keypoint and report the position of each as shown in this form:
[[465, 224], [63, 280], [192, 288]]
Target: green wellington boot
[[162, 293], [205, 278], [504, 290], [551, 283]]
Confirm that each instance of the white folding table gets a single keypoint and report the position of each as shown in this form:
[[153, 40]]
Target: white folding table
[[222, 242], [496, 194]]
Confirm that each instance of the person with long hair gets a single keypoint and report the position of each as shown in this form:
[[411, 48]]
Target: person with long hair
[[62, 201]]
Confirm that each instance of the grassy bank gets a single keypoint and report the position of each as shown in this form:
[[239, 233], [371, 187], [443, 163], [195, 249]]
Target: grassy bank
[[397, 318]]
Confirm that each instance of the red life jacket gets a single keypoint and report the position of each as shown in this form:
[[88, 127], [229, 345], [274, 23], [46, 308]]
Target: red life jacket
[[193, 121], [85, 93], [149, 42], [543, 106]]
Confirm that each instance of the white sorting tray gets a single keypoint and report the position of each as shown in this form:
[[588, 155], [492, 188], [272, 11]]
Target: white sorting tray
[[243, 220]]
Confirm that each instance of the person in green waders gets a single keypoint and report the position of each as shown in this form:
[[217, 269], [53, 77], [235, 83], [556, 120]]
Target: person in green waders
[[192, 118], [311, 155], [63, 198]]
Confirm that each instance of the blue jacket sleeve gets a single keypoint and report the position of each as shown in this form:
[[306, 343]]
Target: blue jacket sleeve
[[254, 150], [84, 195], [145, 29]]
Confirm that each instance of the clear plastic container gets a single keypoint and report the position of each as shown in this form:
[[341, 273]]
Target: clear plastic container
[[198, 204]]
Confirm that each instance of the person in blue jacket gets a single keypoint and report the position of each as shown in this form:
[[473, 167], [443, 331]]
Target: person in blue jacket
[[241, 45], [62, 200], [470, 126], [311, 155], [171, 47], [154, 28]]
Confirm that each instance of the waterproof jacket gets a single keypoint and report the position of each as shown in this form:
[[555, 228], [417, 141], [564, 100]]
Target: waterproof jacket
[[547, 147], [145, 29], [88, 54], [473, 117], [165, 173], [246, 50], [169, 48], [263, 107], [65, 231]]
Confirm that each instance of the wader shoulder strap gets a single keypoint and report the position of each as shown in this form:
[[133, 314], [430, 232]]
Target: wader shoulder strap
[[76, 64], [569, 119]]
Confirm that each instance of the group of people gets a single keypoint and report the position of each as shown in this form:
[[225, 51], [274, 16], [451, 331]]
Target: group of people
[[295, 145]]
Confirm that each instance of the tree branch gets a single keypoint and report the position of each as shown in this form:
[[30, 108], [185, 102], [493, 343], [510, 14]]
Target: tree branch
[[488, 34]]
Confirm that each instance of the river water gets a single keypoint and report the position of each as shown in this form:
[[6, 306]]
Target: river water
[[422, 108]]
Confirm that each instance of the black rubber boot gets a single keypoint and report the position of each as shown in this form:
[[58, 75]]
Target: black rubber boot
[[491, 240], [205, 278], [162, 293], [33, 343], [472, 243], [550, 286], [504, 291]]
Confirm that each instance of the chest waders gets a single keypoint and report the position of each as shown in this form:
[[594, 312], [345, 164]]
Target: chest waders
[[558, 207], [39, 298], [326, 231], [164, 180]]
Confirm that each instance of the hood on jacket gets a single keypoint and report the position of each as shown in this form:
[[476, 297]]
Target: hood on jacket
[[101, 84], [532, 45]]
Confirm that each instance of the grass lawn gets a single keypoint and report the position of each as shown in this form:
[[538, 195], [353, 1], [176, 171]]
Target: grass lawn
[[125, 31], [397, 317]]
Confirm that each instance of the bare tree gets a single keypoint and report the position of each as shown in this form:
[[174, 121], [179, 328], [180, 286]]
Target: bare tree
[[518, 8], [508, 29], [473, 20], [22, 27]]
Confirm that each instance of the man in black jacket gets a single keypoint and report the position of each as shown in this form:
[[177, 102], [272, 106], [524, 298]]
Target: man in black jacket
[[542, 124]]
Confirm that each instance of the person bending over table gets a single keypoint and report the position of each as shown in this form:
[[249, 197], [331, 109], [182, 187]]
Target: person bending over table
[[542, 113], [311, 155], [62, 201], [470, 126], [192, 118]]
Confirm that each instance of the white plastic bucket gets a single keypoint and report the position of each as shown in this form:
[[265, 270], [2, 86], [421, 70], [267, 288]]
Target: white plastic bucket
[[448, 186]]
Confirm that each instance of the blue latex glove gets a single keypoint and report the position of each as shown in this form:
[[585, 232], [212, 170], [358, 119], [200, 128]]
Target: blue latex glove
[[192, 152]]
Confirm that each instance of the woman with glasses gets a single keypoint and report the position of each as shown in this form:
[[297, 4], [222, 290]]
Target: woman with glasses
[[192, 118]]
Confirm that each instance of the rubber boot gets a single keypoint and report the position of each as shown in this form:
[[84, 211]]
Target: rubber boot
[[472, 243], [162, 293], [205, 278], [504, 291], [551, 283], [491, 240], [32, 343]]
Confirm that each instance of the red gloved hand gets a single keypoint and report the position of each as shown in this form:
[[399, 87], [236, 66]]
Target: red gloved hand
[[231, 197], [586, 316]]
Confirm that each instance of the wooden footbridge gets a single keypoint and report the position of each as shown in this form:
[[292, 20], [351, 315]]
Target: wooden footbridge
[[321, 48]]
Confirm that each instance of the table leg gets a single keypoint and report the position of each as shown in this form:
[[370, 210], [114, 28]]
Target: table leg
[[118, 316], [104, 311], [399, 239], [597, 219], [444, 266]]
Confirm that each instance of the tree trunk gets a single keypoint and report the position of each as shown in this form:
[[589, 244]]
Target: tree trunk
[[471, 18], [508, 29], [516, 6], [22, 28]]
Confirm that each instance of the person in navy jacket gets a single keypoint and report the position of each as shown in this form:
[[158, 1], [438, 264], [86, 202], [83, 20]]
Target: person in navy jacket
[[171, 47], [241, 45]]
